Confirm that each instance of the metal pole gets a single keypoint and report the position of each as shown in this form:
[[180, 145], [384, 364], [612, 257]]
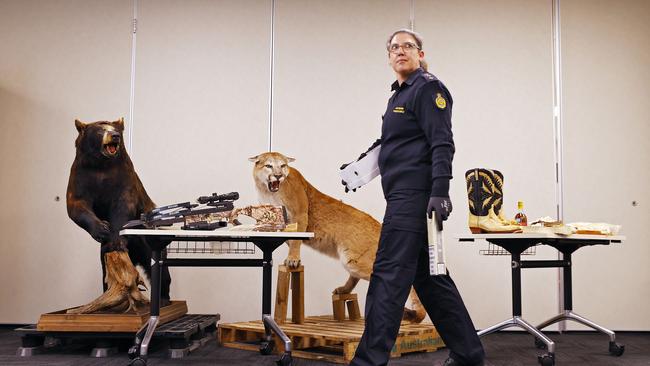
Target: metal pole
[[557, 109], [412, 16], [558, 134], [271, 71], [132, 91]]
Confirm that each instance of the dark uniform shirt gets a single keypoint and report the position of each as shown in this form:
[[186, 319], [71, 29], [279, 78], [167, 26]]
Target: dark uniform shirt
[[417, 144]]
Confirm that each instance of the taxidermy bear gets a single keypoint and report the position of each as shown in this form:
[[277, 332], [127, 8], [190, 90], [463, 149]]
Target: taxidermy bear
[[104, 193]]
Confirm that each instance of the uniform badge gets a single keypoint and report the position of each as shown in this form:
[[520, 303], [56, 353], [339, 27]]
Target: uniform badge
[[440, 101]]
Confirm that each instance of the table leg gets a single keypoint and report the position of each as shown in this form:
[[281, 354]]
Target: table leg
[[139, 351], [516, 320], [270, 326], [568, 314], [566, 274], [267, 267], [516, 284]]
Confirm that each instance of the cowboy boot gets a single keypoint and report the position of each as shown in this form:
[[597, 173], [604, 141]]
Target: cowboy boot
[[481, 197], [498, 200]]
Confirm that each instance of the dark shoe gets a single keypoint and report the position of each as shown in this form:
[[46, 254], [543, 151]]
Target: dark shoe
[[451, 362]]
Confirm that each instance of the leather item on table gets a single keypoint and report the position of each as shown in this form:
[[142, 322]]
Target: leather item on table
[[484, 195]]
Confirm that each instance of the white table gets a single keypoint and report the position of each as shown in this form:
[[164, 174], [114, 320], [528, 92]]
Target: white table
[[516, 244], [158, 240]]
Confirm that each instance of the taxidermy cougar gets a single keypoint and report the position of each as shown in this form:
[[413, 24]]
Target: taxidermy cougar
[[340, 230]]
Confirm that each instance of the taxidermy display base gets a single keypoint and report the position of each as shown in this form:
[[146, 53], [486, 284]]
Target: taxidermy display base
[[327, 339], [61, 321], [180, 336]]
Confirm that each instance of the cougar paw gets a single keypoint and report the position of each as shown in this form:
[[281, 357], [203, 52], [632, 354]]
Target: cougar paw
[[412, 316], [292, 262], [341, 290]]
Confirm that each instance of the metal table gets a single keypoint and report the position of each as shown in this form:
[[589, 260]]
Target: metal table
[[267, 242], [516, 244]]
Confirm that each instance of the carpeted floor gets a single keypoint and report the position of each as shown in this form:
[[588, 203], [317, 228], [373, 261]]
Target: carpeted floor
[[503, 349]]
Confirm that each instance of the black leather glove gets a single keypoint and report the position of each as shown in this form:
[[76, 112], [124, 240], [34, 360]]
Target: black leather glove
[[343, 182], [442, 208], [346, 187]]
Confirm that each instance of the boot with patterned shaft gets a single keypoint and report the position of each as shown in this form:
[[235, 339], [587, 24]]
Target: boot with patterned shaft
[[497, 188], [481, 196]]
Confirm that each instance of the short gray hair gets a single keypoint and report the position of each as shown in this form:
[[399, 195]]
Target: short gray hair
[[416, 36], [418, 41]]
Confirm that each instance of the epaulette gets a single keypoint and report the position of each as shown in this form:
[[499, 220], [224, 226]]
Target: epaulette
[[429, 76]]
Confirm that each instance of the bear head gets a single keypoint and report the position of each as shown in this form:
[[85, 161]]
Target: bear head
[[100, 141]]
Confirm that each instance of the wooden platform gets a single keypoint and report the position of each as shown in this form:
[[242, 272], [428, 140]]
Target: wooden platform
[[323, 338], [60, 321]]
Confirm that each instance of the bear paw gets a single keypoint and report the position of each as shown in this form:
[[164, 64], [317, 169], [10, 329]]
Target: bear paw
[[102, 231]]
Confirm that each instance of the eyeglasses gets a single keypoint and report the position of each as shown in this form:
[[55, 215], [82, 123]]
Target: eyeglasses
[[406, 46]]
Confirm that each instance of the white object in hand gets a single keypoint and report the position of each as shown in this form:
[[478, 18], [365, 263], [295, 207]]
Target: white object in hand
[[437, 262], [362, 171]]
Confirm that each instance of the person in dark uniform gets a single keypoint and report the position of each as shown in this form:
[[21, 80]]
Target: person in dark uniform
[[417, 148]]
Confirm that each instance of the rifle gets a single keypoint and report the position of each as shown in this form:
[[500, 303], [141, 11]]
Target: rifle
[[208, 214]]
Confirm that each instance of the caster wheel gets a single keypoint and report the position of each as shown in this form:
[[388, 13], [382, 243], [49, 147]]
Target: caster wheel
[[616, 349], [138, 362], [286, 360], [133, 352], [539, 343], [266, 347], [546, 360]]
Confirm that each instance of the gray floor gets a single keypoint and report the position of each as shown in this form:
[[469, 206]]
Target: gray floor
[[503, 349]]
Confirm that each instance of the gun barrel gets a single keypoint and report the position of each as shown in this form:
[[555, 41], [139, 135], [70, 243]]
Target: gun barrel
[[222, 206], [169, 207], [232, 196]]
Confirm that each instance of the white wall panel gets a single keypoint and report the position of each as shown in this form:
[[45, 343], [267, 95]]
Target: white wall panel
[[606, 89], [332, 83], [201, 109], [495, 58], [60, 60]]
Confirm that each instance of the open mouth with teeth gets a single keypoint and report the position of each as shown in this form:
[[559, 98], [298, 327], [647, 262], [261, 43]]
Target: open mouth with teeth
[[111, 149], [274, 186]]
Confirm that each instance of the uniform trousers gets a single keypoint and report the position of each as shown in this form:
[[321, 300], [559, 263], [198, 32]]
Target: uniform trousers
[[403, 261]]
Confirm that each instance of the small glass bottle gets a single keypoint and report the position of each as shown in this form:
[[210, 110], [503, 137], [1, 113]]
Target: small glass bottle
[[520, 217]]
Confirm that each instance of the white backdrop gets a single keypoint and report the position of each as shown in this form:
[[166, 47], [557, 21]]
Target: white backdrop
[[201, 109]]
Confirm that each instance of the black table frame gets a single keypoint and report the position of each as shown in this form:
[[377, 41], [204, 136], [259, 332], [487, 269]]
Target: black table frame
[[267, 244], [516, 244]]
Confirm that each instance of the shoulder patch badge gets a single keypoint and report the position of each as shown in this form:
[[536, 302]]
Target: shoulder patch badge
[[441, 103]]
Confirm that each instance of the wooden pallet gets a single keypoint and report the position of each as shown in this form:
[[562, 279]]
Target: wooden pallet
[[62, 322], [323, 338]]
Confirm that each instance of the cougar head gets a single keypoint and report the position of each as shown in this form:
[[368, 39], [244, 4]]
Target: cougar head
[[270, 170]]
